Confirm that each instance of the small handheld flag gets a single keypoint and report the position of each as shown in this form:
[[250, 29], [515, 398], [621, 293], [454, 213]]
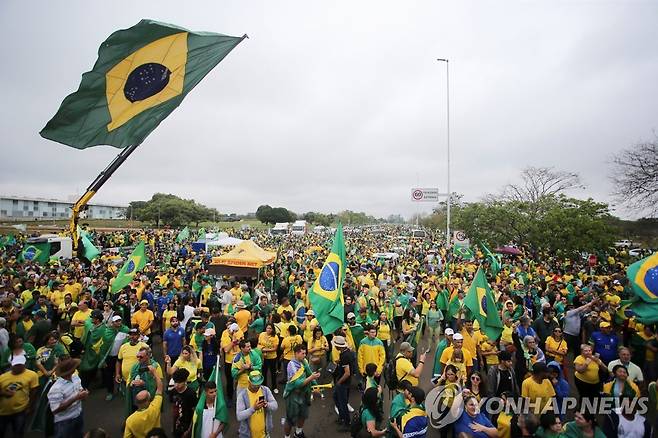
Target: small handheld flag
[[479, 300], [135, 262]]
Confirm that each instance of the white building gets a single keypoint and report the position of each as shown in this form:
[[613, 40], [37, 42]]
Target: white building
[[18, 207]]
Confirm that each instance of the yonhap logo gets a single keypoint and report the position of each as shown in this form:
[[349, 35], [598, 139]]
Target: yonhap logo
[[444, 404]]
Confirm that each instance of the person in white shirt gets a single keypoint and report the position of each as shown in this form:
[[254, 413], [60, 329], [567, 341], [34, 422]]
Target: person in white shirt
[[210, 426], [634, 371], [65, 400]]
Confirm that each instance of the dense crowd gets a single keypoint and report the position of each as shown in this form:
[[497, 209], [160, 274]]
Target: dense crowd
[[255, 345]]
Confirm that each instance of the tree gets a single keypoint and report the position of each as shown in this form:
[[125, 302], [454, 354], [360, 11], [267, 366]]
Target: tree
[[635, 176], [269, 215], [171, 210], [538, 182]]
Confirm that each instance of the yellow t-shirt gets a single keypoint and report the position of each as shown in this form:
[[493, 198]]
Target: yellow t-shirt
[[470, 342], [128, 356], [227, 339], [591, 374], [491, 359], [446, 356], [504, 425], [243, 377], [142, 319], [257, 419], [384, 332], [288, 344], [22, 383], [317, 343], [141, 422], [80, 316], [506, 335], [403, 368], [242, 317], [26, 296], [191, 367], [539, 393], [57, 298], [166, 317], [560, 346], [73, 289], [266, 341]]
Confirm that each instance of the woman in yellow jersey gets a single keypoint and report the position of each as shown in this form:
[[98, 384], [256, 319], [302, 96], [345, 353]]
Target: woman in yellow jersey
[[268, 343], [587, 372], [317, 349], [287, 345], [188, 360], [167, 314], [383, 325]]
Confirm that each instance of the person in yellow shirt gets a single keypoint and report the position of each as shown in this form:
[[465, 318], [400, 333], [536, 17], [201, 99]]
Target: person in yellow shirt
[[556, 347], [236, 290], [229, 343], [147, 415], [18, 391], [404, 369], [143, 318], [317, 348], [242, 316], [538, 389], [57, 295], [287, 345], [587, 372], [127, 356], [309, 325], [268, 343], [79, 318], [457, 344], [73, 287]]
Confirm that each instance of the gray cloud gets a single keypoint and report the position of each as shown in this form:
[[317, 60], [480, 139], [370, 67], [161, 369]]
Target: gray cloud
[[339, 105]]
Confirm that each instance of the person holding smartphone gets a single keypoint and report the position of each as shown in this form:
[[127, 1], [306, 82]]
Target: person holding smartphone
[[254, 407]]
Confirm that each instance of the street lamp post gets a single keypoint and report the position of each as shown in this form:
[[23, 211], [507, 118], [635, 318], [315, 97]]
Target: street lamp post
[[448, 150]]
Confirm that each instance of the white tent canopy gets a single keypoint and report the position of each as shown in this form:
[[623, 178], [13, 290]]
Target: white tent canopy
[[224, 240]]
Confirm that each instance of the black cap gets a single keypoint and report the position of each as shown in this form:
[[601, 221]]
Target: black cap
[[504, 355], [539, 367], [96, 314]]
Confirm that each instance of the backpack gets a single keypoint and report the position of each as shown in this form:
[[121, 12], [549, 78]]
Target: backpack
[[355, 423], [390, 374]]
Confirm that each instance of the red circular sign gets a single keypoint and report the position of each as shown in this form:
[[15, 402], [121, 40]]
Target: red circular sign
[[417, 195], [592, 260]]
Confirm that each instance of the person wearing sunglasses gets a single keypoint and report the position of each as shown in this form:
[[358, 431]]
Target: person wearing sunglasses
[[556, 347], [476, 386]]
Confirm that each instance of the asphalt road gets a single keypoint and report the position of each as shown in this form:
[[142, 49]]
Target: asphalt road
[[109, 415]]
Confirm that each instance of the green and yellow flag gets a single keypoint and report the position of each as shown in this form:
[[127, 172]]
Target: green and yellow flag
[[326, 295], [142, 74], [464, 252], [184, 234], [221, 411], [35, 252], [643, 276], [135, 262], [480, 301], [493, 261]]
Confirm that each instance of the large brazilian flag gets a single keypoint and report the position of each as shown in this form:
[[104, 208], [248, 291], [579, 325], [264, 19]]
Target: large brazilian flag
[[135, 262], [326, 295], [643, 276], [142, 74], [480, 301]]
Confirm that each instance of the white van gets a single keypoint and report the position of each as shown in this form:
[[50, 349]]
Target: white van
[[299, 228], [280, 228], [55, 246]]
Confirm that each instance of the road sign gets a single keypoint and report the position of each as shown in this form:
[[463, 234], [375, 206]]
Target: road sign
[[459, 239], [592, 260], [425, 194]]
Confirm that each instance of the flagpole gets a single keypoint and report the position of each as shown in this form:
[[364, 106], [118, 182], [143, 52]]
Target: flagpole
[[448, 149]]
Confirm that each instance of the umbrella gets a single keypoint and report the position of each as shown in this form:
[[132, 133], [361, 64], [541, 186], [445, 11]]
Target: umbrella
[[508, 250]]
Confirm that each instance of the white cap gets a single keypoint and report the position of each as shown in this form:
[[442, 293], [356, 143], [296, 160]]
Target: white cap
[[233, 327], [449, 332], [458, 337], [116, 318], [18, 360], [351, 315]]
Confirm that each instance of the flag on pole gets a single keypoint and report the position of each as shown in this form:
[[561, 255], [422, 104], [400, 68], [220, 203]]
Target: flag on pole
[[464, 252], [135, 262], [480, 301], [184, 234], [326, 295], [90, 251], [493, 261], [454, 305], [221, 411], [141, 75], [643, 276]]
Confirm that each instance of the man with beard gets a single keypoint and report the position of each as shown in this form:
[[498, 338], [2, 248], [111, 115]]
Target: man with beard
[[173, 339]]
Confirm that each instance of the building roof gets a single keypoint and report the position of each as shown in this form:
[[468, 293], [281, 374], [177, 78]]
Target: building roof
[[59, 201]]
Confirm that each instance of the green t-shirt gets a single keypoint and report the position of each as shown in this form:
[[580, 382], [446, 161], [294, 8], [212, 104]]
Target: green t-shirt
[[367, 416]]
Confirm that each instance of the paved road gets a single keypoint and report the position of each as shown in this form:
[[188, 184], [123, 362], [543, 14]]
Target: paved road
[[109, 415]]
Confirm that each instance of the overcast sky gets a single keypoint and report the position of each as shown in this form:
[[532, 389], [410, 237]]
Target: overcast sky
[[333, 105]]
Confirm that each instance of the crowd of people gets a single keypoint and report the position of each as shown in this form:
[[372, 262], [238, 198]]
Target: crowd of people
[[200, 343]]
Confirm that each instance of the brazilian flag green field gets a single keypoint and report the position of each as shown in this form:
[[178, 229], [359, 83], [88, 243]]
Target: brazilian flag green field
[[142, 74]]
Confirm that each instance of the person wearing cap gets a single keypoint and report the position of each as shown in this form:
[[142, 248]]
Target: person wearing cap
[[230, 345], [18, 392], [242, 316], [413, 423], [127, 355], [501, 378], [457, 344], [443, 344], [79, 318], [254, 408], [404, 368], [355, 330], [65, 399], [605, 342], [116, 334], [143, 318], [147, 415], [538, 388], [308, 325], [342, 378], [39, 330]]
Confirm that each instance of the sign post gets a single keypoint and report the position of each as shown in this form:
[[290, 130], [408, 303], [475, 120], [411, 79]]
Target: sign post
[[419, 194]]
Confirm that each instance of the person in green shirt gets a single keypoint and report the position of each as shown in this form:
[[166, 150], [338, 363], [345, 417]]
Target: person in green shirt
[[371, 414], [584, 425]]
